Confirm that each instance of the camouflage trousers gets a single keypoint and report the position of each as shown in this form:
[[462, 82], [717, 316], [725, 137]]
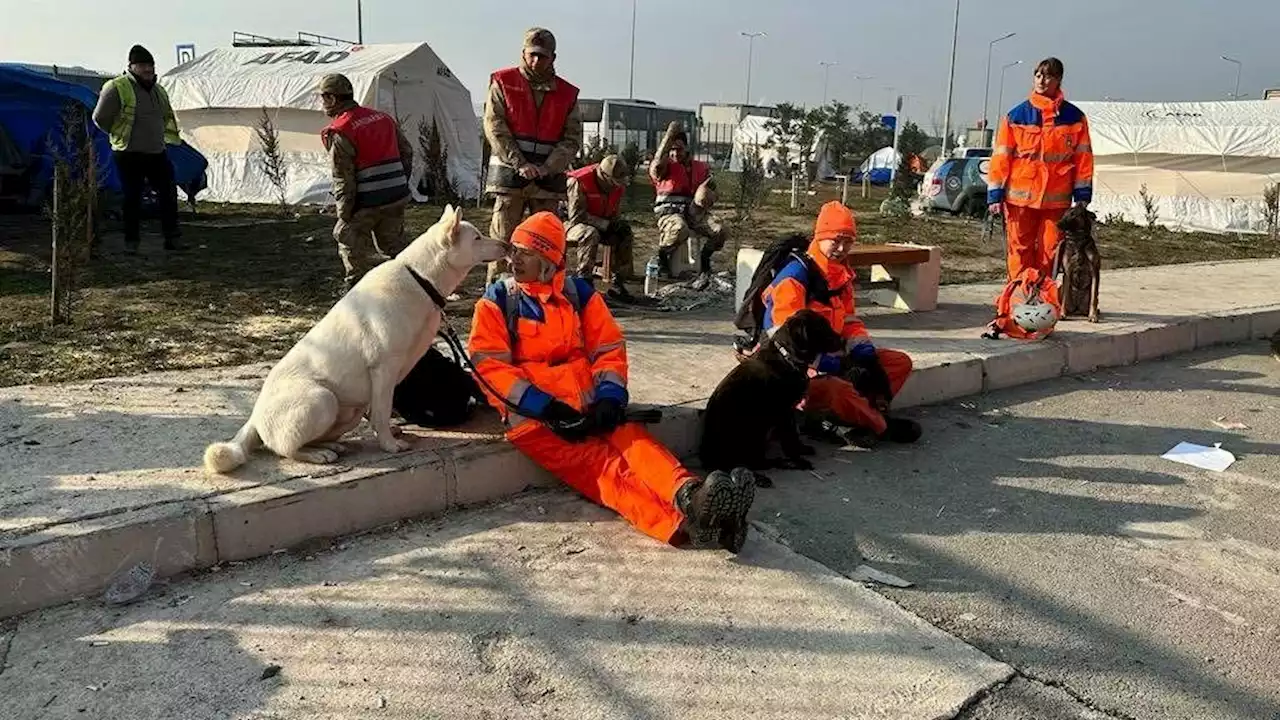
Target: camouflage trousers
[[675, 229], [371, 236], [588, 238], [508, 211]]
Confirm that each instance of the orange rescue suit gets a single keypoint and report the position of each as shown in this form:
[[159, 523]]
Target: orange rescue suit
[[547, 348], [829, 392], [1041, 163]]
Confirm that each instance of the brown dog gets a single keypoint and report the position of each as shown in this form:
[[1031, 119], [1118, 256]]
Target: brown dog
[[1080, 263]]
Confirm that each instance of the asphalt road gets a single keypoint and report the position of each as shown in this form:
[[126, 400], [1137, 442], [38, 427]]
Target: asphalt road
[[1041, 525]]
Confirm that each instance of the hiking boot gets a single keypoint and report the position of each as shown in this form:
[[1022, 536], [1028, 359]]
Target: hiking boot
[[620, 292], [716, 508], [902, 430], [733, 534], [664, 263], [859, 437]]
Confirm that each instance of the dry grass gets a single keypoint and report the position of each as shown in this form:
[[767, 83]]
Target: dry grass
[[251, 283]]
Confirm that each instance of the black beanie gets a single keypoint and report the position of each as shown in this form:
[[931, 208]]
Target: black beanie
[[140, 56]]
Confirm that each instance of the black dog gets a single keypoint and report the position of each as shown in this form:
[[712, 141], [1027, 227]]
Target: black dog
[[757, 400], [1081, 264]]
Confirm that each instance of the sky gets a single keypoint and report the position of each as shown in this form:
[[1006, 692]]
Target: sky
[[692, 51]]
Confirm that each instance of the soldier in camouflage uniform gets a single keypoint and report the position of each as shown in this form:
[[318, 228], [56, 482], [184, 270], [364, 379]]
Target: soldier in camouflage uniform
[[595, 219], [371, 190], [534, 130]]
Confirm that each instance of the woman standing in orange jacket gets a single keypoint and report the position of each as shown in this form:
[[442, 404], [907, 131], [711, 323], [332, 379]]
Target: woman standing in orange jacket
[[1042, 162]]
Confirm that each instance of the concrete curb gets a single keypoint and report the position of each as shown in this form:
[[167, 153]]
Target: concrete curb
[[74, 560]]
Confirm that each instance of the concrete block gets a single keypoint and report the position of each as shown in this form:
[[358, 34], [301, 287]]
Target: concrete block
[[1165, 340], [1088, 352], [941, 382], [680, 429], [917, 284], [1027, 364], [68, 561], [255, 522], [490, 471], [747, 261], [1222, 329], [1264, 323]]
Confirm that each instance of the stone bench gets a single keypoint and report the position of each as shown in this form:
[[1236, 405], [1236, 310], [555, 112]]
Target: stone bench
[[903, 276]]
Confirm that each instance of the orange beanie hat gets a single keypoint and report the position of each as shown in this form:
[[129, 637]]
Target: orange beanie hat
[[543, 233], [835, 220]]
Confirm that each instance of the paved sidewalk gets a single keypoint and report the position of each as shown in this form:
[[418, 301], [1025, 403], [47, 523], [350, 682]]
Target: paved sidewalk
[[542, 607], [100, 475]]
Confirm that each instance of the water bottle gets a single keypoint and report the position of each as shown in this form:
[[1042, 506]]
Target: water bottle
[[651, 276]]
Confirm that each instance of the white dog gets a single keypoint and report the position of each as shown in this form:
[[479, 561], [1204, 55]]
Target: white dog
[[348, 365]]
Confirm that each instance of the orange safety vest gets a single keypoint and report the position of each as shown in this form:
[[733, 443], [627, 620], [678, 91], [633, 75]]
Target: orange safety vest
[[674, 193], [1042, 157], [532, 345], [598, 204], [537, 129], [380, 176]]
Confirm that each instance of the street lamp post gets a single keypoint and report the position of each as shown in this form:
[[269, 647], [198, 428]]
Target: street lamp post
[[359, 22], [751, 42], [1239, 67], [986, 97], [1003, 70], [631, 85], [826, 71], [951, 85], [862, 87]]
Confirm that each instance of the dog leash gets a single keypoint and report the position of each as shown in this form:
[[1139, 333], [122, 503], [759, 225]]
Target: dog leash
[[451, 338]]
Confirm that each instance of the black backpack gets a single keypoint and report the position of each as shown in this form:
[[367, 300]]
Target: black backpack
[[777, 256], [437, 392]]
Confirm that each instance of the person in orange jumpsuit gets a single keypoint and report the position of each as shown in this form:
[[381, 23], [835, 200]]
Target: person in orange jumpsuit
[[851, 389], [1042, 162], [552, 360]]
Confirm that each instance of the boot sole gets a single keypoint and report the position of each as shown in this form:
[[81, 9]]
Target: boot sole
[[727, 503], [733, 532]]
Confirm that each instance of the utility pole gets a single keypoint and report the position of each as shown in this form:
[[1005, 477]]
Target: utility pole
[[359, 22], [951, 86], [751, 42]]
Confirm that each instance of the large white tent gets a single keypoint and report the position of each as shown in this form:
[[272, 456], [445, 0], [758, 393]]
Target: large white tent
[[1205, 164], [753, 133], [219, 98]]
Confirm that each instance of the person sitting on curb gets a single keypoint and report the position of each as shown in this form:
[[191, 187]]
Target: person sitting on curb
[[852, 389], [552, 360]]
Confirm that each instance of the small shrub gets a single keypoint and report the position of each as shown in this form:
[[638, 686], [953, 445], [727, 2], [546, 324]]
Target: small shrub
[[752, 185], [72, 208], [440, 186], [1149, 207], [272, 158], [1271, 199]]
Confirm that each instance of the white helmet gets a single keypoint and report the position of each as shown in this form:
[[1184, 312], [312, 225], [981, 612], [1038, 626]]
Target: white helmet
[[1035, 316]]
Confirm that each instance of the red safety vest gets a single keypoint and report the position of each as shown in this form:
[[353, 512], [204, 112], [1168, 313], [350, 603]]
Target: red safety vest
[[537, 129], [380, 177], [598, 204], [674, 193]]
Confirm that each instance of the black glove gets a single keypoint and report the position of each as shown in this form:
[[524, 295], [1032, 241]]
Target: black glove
[[606, 414], [869, 379], [566, 422]]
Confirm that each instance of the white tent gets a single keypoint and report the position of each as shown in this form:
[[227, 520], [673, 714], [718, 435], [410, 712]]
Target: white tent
[[219, 98], [752, 133], [884, 159], [1205, 164]]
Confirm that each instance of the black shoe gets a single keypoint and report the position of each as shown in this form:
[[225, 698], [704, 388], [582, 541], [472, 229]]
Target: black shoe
[[620, 292], [733, 534], [716, 508], [902, 430], [664, 262]]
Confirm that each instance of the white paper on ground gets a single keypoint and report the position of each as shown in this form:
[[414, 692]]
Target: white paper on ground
[[1207, 458]]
